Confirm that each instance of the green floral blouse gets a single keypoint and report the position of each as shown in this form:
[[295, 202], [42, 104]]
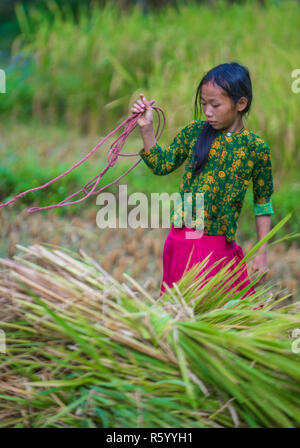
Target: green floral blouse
[[233, 162]]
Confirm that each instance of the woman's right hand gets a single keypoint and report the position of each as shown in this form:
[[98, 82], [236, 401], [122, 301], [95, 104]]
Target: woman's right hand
[[143, 105]]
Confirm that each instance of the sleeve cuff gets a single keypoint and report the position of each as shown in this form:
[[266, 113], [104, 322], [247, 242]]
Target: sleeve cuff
[[146, 155], [263, 209]]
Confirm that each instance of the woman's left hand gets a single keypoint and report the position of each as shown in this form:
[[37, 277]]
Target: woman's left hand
[[259, 265]]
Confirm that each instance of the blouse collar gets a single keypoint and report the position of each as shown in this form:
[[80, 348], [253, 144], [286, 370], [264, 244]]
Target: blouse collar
[[230, 134]]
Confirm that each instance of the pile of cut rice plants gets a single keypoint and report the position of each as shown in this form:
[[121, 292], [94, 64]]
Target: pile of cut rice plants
[[83, 350]]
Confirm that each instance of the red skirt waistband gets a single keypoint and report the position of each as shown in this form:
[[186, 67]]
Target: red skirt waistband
[[198, 237]]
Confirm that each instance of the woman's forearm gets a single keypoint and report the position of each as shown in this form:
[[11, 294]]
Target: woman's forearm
[[263, 227], [148, 137]]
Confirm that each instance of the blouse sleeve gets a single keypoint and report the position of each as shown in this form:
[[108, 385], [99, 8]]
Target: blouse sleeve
[[162, 161], [262, 177]]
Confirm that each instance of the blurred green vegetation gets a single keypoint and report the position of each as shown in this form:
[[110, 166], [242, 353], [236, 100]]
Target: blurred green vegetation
[[74, 78]]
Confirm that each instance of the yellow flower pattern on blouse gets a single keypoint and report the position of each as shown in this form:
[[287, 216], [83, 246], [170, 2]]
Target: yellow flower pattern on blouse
[[233, 162]]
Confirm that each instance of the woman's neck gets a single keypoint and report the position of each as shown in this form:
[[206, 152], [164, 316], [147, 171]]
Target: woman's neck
[[235, 126]]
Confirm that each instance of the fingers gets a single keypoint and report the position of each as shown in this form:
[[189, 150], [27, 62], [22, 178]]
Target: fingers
[[137, 108], [147, 103], [134, 110], [144, 100], [141, 105]]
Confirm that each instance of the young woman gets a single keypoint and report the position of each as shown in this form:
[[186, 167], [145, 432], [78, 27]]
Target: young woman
[[221, 158]]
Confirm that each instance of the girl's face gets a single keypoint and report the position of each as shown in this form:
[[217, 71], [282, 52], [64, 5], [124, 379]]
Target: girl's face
[[219, 109]]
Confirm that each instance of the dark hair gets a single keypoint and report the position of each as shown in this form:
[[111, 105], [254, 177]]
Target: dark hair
[[235, 80]]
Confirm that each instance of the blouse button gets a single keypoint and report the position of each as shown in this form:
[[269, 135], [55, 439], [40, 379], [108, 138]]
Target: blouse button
[[228, 134]]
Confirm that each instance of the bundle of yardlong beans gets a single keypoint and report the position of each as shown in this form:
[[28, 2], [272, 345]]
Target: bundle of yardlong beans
[[90, 187]]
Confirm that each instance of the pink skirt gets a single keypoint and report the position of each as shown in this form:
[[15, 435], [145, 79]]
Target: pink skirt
[[178, 246]]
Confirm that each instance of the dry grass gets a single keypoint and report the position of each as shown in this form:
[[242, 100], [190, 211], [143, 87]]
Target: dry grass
[[135, 251]]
